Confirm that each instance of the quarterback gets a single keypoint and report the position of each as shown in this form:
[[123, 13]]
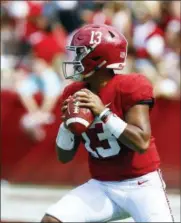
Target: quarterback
[[123, 160]]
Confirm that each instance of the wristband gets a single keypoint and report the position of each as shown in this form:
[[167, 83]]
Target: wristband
[[104, 114], [65, 138], [115, 124]]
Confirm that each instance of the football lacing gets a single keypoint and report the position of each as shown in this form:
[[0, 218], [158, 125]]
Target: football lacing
[[76, 107]]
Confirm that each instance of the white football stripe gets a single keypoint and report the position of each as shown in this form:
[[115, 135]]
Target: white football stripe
[[79, 120]]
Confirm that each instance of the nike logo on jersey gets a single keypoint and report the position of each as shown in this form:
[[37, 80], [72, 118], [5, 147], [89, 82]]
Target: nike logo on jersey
[[142, 182]]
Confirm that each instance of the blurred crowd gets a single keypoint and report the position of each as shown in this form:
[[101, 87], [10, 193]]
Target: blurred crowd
[[34, 35]]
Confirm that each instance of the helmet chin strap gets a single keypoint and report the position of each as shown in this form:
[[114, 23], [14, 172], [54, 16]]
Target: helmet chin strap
[[95, 69]]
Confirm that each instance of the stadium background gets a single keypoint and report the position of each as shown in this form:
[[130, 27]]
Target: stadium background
[[33, 39]]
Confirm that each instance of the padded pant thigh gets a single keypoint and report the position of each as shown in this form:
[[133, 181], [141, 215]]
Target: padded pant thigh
[[86, 203]]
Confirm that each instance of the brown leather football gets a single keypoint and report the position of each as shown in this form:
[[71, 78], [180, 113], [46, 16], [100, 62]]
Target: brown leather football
[[78, 119]]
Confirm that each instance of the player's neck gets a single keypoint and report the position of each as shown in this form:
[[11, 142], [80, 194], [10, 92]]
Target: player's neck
[[98, 81], [95, 88]]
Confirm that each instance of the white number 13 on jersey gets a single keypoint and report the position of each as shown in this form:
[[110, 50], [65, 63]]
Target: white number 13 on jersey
[[95, 37]]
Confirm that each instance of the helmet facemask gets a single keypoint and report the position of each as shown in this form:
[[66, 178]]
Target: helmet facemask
[[74, 69]]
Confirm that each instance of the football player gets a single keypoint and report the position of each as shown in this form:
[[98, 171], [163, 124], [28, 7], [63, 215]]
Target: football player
[[123, 160]]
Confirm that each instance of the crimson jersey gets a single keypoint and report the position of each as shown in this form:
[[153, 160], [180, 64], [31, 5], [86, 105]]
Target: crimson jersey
[[109, 159]]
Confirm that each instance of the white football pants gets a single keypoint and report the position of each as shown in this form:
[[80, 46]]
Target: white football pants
[[142, 198]]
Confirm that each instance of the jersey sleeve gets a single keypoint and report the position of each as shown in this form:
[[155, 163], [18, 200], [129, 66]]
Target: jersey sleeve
[[137, 90]]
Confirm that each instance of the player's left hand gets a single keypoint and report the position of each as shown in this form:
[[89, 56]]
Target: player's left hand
[[89, 100]]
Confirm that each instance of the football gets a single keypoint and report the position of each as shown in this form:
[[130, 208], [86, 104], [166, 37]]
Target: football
[[78, 119]]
